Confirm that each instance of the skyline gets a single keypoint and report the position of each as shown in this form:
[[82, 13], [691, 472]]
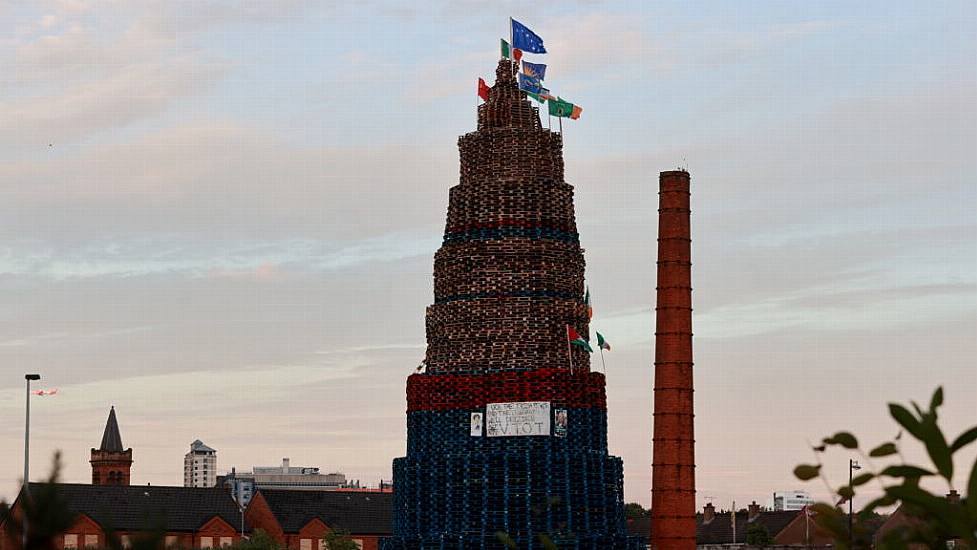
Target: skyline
[[206, 210]]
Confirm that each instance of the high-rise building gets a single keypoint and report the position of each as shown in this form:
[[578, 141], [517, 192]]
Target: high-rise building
[[111, 464], [200, 466], [791, 500], [507, 425], [244, 485]]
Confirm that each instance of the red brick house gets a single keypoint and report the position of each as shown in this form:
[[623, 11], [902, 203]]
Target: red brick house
[[191, 517], [299, 519]]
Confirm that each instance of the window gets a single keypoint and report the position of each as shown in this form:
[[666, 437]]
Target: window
[[305, 544], [71, 541], [126, 543], [91, 541], [359, 543], [226, 541], [206, 542], [171, 541]]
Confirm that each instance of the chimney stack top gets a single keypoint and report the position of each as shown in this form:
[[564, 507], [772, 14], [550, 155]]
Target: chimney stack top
[[708, 513]]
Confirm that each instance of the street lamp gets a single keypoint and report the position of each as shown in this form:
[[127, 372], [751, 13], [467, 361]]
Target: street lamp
[[852, 466], [27, 451]]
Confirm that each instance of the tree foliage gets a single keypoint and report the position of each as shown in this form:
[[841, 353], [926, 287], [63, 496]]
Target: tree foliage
[[757, 535], [259, 540], [47, 513], [934, 519], [633, 510], [338, 540]]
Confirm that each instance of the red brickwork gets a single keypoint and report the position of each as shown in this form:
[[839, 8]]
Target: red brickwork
[[111, 468], [260, 516], [673, 465], [84, 526]]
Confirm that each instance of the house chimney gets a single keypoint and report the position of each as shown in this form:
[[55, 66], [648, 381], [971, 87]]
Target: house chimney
[[953, 497], [708, 513], [673, 463], [285, 465], [754, 510]]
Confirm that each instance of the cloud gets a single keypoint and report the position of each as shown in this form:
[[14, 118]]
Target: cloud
[[226, 182], [261, 261], [116, 101], [78, 75]]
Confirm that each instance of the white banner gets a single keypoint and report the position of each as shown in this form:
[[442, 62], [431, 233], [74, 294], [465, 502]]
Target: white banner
[[517, 419]]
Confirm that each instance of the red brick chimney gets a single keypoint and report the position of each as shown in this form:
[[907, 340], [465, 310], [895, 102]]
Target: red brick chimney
[[673, 464], [708, 513], [754, 511]]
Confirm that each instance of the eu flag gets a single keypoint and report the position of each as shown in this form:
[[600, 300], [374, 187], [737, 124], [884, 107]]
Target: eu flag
[[525, 39], [535, 70]]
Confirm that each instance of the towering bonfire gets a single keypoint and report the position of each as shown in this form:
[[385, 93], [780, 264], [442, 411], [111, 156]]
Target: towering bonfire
[[673, 464], [507, 426]]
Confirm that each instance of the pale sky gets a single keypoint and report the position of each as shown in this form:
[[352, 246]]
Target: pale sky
[[220, 217]]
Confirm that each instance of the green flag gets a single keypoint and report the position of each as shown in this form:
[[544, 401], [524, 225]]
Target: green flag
[[506, 51], [602, 343], [560, 108]]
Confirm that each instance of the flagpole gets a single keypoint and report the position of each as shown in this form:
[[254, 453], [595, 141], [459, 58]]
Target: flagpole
[[512, 46], [602, 364], [569, 356]]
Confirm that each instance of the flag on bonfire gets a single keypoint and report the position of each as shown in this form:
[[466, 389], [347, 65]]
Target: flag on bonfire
[[575, 339], [602, 343], [483, 89], [525, 39], [535, 70], [590, 308]]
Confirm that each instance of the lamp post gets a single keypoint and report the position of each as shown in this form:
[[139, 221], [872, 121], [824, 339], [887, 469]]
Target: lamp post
[[27, 451], [852, 466]]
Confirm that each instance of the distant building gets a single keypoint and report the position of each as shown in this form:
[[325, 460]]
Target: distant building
[[791, 500], [111, 464], [716, 529], [190, 517], [244, 485], [900, 523], [299, 519], [200, 466]]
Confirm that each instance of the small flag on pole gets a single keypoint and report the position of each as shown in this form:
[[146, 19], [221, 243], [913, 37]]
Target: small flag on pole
[[517, 54], [529, 84], [483, 89], [561, 108], [602, 343], [525, 39], [590, 308], [575, 339], [505, 49], [535, 70]]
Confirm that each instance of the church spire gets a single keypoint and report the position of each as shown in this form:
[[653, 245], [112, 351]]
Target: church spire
[[111, 463], [111, 439]]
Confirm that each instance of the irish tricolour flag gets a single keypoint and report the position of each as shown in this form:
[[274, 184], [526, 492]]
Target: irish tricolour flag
[[575, 339]]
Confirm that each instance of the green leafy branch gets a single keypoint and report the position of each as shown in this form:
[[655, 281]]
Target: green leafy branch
[[936, 519]]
